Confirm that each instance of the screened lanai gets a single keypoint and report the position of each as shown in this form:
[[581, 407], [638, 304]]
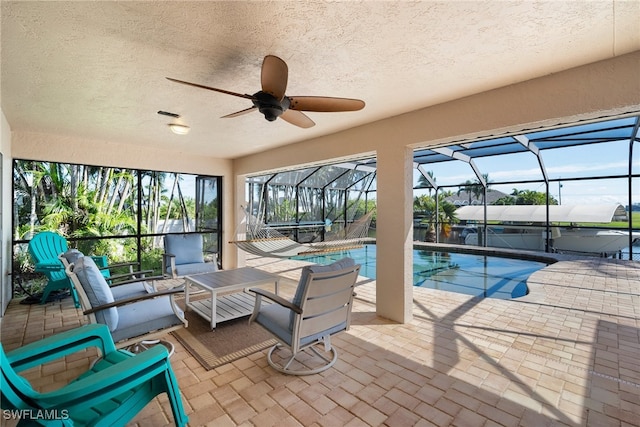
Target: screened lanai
[[587, 165], [308, 203]]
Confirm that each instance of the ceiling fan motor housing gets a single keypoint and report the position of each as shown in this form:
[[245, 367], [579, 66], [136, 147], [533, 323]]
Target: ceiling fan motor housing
[[269, 105]]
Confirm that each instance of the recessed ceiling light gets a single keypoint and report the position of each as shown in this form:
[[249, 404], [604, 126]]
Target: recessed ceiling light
[[179, 129]]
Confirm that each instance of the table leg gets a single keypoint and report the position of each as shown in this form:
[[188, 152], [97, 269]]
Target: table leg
[[187, 287], [214, 309]]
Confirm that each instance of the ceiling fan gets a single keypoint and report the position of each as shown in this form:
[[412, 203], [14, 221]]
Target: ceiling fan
[[273, 103]]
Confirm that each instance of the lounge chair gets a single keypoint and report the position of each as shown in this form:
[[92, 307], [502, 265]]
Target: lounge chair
[[320, 308], [45, 249], [110, 393], [130, 320], [124, 285], [184, 255]]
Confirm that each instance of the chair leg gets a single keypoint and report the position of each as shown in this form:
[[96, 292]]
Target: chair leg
[[57, 287], [74, 295], [173, 393], [146, 344], [284, 367]]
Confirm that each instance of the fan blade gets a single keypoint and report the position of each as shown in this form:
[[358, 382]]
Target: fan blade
[[239, 113], [324, 104], [297, 118], [212, 88], [274, 76]]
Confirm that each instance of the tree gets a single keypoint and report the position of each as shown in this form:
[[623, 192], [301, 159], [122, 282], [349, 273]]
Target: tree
[[474, 188], [424, 207], [424, 183], [530, 197], [76, 201], [505, 200]]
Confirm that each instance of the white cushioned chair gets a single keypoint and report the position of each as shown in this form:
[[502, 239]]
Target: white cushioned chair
[[184, 255], [130, 320], [320, 308]]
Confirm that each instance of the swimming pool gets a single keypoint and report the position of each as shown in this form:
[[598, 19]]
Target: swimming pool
[[471, 274]]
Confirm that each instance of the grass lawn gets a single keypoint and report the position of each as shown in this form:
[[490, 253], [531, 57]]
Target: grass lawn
[[635, 218]]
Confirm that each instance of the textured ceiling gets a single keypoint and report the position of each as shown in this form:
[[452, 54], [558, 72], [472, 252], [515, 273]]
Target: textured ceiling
[[97, 69]]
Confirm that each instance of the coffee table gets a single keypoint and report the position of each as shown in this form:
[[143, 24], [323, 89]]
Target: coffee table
[[219, 308]]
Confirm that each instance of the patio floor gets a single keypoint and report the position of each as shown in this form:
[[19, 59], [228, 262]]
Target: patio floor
[[566, 354]]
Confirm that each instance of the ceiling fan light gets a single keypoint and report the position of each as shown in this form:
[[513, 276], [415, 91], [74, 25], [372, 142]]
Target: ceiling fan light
[[179, 129]]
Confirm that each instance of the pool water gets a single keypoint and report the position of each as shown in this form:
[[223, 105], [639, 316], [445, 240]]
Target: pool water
[[471, 274]]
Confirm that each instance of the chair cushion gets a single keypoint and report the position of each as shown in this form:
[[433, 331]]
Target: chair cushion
[[316, 268], [119, 292], [145, 316], [72, 255], [131, 290], [187, 248], [315, 337], [97, 290], [189, 269], [275, 318]]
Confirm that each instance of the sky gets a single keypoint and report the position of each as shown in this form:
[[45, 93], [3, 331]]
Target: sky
[[583, 161], [571, 162]]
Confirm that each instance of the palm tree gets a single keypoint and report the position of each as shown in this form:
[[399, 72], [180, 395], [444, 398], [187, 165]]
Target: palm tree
[[475, 188], [530, 197], [468, 187], [424, 183], [445, 216]]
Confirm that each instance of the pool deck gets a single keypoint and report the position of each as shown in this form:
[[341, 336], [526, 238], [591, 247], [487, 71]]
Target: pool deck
[[567, 354]]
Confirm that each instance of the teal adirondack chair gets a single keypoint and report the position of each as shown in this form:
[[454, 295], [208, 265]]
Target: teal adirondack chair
[[44, 248], [110, 393]]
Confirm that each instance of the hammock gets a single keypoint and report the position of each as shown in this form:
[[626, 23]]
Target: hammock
[[269, 242]]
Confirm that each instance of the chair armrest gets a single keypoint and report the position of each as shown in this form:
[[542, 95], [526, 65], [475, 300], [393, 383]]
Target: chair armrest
[[49, 265], [277, 299], [110, 382], [131, 300], [135, 280], [138, 275], [120, 264], [62, 344], [169, 262]]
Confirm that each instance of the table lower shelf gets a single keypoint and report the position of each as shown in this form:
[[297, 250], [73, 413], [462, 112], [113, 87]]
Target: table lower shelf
[[228, 307]]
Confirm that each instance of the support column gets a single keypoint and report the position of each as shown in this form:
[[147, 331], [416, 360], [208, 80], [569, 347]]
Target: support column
[[394, 270], [237, 256]]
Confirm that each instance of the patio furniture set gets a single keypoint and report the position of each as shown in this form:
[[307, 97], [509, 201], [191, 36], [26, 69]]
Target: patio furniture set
[[127, 315]]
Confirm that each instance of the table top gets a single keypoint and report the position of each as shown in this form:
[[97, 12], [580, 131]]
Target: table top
[[231, 279]]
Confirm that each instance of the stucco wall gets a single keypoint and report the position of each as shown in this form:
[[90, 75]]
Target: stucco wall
[[601, 89], [5, 214]]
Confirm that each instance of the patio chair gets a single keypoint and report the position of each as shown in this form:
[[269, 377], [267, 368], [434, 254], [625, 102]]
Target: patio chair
[[111, 392], [184, 255], [131, 321], [125, 285], [45, 249], [320, 308]]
